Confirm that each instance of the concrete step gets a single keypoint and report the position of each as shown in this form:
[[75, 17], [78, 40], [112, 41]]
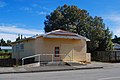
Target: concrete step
[[32, 65], [75, 64], [45, 64], [59, 63]]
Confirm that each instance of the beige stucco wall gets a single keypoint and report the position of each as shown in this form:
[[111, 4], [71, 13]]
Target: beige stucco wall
[[29, 49], [76, 49]]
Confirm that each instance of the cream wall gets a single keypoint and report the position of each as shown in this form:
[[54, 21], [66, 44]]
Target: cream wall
[[29, 49], [76, 49], [14, 53]]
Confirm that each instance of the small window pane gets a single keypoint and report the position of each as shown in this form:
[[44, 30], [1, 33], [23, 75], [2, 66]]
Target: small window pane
[[56, 51]]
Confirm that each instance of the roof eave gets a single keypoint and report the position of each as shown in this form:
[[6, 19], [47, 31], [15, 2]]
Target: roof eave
[[63, 37]]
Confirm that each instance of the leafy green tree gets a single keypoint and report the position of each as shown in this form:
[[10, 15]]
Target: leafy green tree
[[5, 43], [76, 20], [116, 37], [66, 18], [2, 42], [9, 43], [18, 38], [116, 40]]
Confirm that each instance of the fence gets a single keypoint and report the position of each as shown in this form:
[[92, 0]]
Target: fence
[[7, 62], [5, 55], [88, 57], [46, 58], [107, 56]]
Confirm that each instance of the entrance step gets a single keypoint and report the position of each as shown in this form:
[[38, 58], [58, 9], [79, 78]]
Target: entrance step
[[74, 64]]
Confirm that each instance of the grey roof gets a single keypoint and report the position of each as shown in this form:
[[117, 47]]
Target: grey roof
[[63, 34], [116, 46], [58, 34]]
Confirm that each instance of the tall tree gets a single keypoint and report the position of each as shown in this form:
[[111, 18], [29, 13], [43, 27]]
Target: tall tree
[[66, 18], [18, 38], [73, 19], [116, 40], [9, 43], [2, 42], [5, 43]]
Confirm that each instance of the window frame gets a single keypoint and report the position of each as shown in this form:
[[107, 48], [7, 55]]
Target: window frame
[[22, 47], [57, 51]]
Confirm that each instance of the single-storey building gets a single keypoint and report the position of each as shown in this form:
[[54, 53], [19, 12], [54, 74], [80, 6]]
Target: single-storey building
[[61, 45]]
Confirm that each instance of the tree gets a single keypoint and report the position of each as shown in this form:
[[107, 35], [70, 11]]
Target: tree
[[9, 43], [2, 42], [76, 20], [66, 18], [5, 43], [116, 40], [18, 38], [115, 37]]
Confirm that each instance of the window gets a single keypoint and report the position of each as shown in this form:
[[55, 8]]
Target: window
[[57, 51], [22, 47]]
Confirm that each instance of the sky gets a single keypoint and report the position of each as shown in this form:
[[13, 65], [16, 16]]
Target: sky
[[27, 17]]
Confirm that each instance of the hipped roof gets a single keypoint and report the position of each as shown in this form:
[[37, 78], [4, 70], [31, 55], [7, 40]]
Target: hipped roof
[[63, 34], [57, 34]]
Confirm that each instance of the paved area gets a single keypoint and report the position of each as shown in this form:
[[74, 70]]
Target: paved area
[[105, 65], [89, 74], [93, 65]]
